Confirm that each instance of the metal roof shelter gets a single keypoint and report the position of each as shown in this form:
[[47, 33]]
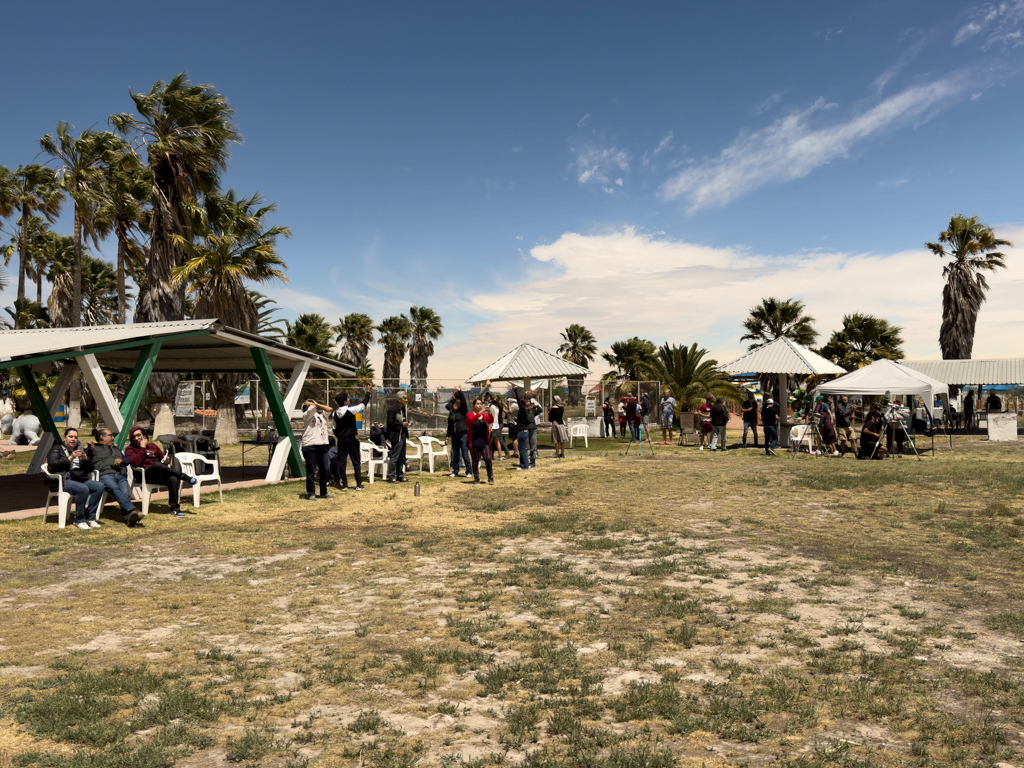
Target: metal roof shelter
[[527, 362], [784, 358], [141, 349], [959, 373]]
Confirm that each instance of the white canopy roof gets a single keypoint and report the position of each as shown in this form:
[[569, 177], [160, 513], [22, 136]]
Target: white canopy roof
[[528, 362], [783, 356], [886, 376]]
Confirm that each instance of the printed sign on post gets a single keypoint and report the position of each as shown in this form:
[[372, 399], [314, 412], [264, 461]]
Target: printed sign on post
[[185, 402], [591, 406]]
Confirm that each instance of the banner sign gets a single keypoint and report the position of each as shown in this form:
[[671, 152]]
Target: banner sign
[[185, 402]]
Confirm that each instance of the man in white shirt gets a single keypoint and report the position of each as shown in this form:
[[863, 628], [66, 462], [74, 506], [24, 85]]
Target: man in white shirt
[[347, 436], [668, 415]]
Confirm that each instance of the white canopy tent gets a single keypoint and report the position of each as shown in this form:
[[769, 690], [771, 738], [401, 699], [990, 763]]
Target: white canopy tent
[[887, 376]]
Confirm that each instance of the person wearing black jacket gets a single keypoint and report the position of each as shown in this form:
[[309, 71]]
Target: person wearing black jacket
[[398, 433], [457, 430], [112, 465], [844, 425], [71, 461], [770, 420], [346, 434], [719, 421]]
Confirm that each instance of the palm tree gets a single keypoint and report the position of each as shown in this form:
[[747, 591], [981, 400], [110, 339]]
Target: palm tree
[[774, 318], [124, 210], [38, 252], [234, 246], [312, 333], [626, 357], [395, 332], [186, 129], [98, 302], [266, 307], [27, 314], [578, 346], [355, 334], [426, 328], [80, 175], [28, 189], [862, 340], [972, 248], [689, 375]]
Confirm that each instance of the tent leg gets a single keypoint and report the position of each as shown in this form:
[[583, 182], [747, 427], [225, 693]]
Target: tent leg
[[136, 388], [46, 440], [287, 448]]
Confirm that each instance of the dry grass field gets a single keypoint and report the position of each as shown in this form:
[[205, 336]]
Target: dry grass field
[[601, 611]]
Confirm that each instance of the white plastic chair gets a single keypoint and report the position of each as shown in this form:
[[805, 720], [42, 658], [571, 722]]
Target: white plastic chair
[[576, 431], [374, 456], [414, 452], [434, 450], [137, 484], [63, 498], [187, 461], [801, 435]]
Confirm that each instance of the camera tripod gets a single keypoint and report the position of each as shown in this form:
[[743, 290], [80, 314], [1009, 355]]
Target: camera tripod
[[816, 439], [644, 431], [892, 416]]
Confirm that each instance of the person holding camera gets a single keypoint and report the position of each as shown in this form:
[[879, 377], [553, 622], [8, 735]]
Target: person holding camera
[[457, 431], [398, 435], [315, 446], [345, 432], [71, 460], [844, 424], [147, 455]]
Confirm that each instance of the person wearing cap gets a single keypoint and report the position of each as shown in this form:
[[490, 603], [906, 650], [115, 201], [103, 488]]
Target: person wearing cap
[[770, 421], [621, 410], [749, 410], [559, 437]]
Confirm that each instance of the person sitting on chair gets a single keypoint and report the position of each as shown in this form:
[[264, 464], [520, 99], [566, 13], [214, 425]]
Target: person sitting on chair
[[71, 461], [113, 468], [871, 434], [148, 456]]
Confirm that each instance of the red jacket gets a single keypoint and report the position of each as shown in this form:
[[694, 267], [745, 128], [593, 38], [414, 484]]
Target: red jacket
[[479, 427], [143, 457]]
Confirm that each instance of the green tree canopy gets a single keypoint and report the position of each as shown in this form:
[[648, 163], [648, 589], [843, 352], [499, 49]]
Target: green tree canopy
[[777, 318], [862, 340], [626, 356], [689, 375]]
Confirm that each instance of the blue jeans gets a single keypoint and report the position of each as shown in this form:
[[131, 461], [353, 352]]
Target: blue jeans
[[85, 491], [771, 439], [524, 449], [634, 429], [118, 488], [396, 459], [460, 451], [752, 427], [718, 436]]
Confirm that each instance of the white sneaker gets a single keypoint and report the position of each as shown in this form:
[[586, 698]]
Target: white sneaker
[[701, 448], [83, 526], [94, 524], [836, 453]]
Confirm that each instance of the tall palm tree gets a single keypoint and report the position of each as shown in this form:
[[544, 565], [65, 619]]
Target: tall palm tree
[[689, 375], [99, 288], [266, 308], [312, 333], [776, 318], [186, 129], [233, 246], [26, 314], [395, 332], [80, 173], [355, 335], [426, 328], [578, 346], [626, 356], [972, 248], [862, 340], [124, 210], [38, 252], [28, 189]]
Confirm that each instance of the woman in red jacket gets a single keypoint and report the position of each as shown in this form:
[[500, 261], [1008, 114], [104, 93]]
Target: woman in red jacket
[[146, 455], [478, 425]]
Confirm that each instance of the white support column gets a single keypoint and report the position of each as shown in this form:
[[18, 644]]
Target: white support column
[[275, 472], [52, 404], [93, 376]]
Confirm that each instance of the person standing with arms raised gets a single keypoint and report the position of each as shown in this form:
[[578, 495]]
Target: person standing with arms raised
[[347, 436], [397, 427], [478, 423], [457, 431]]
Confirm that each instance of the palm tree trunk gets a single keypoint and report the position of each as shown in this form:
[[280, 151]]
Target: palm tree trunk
[[39, 286], [121, 301], [76, 289], [226, 430], [22, 256], [575, 389]]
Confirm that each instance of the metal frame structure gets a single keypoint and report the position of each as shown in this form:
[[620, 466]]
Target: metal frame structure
[[141, 349]]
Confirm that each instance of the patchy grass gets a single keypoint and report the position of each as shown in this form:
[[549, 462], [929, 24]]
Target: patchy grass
[[601, 611]]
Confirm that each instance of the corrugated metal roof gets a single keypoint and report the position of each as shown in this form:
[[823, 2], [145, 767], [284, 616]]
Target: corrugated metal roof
[[1009, 370], [528, 362], [783, 356], [199, 346]]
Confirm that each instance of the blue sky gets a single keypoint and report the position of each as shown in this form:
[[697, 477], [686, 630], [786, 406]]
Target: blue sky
[[647, 169]]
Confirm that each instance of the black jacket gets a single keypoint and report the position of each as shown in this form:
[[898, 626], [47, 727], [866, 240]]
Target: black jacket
[[393, 425], [58, 462], [719, 415], [457, 419], [102, 459]]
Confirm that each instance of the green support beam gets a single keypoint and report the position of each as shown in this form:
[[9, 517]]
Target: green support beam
[[273, 395], [38, 402], [137, 388]]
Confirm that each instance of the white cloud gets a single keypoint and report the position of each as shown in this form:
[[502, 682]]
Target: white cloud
[[627, 283], [892, 183], [999, 24], [790, 148], [663, 146], [594, 164], [966, 32], [768, 103], [583, 120]]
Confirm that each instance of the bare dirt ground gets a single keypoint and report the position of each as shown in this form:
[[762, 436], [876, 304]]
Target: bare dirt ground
[[691, 609]]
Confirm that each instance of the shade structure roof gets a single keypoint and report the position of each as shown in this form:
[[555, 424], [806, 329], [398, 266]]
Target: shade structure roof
[[187, 346], [783, 356], [1008, 370], [528, 362], [885, 376]]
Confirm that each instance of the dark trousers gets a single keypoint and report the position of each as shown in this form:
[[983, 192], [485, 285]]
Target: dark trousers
[[498, 441], [396, 459], [771, 438], [622, 429], [349, 449], [482, 452], [87, 498], [315, 457], [161, 474], [609, 428]]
